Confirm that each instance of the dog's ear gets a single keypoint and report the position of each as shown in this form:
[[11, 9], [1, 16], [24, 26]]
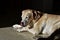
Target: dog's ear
[[40, 14], [37, 15], [34, 14]]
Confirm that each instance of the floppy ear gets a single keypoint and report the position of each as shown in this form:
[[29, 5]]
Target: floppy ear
[[40, 14], [34, 14], [37, 15]]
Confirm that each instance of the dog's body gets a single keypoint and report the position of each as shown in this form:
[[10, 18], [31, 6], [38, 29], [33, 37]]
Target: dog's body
[[45, 24]]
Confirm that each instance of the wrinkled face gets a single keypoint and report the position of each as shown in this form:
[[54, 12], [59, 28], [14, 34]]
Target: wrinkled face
[[26, 17]]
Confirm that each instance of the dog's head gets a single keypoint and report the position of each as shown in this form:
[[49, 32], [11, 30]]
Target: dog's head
[[29, 15]]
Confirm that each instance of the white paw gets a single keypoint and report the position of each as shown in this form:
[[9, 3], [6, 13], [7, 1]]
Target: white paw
[[17, 26], [18, 30]]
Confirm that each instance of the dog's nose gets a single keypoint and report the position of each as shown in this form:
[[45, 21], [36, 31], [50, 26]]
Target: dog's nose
[[22, 24]]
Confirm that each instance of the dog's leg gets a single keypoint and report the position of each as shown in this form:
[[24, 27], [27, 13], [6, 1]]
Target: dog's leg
[[46, 34], [34, 32], [23, 29], [42, 36], [16, 26]]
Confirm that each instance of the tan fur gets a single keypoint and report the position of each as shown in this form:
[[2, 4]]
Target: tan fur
[[50, 23]]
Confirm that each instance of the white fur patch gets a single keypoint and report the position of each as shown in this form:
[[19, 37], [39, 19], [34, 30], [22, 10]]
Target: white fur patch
[[17, 26]]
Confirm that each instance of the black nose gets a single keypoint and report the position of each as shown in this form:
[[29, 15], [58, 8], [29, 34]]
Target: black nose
[[22, 24]]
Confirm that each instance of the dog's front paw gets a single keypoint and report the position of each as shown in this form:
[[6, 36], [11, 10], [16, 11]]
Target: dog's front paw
[[21, 30], [18, 30], [16, 26], [36, 37]]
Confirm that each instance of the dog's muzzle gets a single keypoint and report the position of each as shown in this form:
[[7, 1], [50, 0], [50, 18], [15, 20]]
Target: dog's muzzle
[[23, 24]]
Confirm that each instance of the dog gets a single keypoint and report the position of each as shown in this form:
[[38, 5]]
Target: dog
[[38, 23]]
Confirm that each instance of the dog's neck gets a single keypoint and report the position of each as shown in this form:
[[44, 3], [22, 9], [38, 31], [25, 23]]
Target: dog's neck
[[35, 20], [38, 17], [31, 24]]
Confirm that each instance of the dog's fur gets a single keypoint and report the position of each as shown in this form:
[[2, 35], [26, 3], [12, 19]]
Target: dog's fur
[[39, 23]]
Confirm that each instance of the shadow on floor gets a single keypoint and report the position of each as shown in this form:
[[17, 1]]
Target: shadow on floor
[[52, 37]]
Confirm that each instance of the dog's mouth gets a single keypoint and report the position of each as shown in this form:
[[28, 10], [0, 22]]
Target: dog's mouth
[[23, 24]]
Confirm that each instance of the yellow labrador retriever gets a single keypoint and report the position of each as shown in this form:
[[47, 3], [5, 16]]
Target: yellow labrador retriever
[[39, 23]]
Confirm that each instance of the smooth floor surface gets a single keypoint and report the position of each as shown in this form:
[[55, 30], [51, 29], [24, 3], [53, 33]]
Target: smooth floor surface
[[9, 34]]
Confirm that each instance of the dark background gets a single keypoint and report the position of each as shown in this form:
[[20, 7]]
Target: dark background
[[10, 10]]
